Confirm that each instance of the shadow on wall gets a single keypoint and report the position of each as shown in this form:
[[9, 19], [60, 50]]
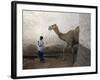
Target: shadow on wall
[[83, 56], [31, 50]]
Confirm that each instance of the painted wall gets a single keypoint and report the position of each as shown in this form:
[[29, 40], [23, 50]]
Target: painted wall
[[37, 23], [85, 31]]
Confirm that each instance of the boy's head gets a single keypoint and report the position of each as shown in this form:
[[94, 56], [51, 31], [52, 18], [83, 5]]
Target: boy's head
[[41, 37]]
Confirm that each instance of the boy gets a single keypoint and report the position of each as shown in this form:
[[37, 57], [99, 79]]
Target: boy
[[41, 49]]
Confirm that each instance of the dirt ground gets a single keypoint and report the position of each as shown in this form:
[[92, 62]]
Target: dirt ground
[[49, 63], [83, 58]]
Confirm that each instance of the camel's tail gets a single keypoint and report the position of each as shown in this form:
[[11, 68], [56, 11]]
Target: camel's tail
[[77, 29]]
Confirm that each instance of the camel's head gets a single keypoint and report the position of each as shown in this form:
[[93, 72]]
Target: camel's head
[[54, 26]]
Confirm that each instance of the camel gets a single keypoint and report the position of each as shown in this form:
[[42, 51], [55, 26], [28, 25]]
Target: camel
[[71, 38]]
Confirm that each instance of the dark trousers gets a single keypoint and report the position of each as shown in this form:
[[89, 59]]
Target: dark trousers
[[41, 56]]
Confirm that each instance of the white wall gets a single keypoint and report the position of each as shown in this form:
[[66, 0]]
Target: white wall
[[85, 28], [36, 24]]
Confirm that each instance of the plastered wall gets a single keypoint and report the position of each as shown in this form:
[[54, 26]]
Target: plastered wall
[[36, 24]]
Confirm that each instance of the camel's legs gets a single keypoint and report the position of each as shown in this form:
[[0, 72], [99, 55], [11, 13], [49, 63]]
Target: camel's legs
[[63, 54], [75, 51], [66, 47]]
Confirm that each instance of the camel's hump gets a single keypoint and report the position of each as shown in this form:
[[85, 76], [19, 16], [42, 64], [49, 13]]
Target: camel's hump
[[77, 29]]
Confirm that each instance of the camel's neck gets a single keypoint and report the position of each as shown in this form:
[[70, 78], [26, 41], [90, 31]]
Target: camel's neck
[[58, 32]]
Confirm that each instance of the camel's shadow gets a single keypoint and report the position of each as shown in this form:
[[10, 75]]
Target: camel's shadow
[[80, 57], [83, 56]]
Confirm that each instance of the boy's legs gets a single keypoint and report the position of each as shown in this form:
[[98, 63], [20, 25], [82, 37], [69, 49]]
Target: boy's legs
[[41, 56]]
